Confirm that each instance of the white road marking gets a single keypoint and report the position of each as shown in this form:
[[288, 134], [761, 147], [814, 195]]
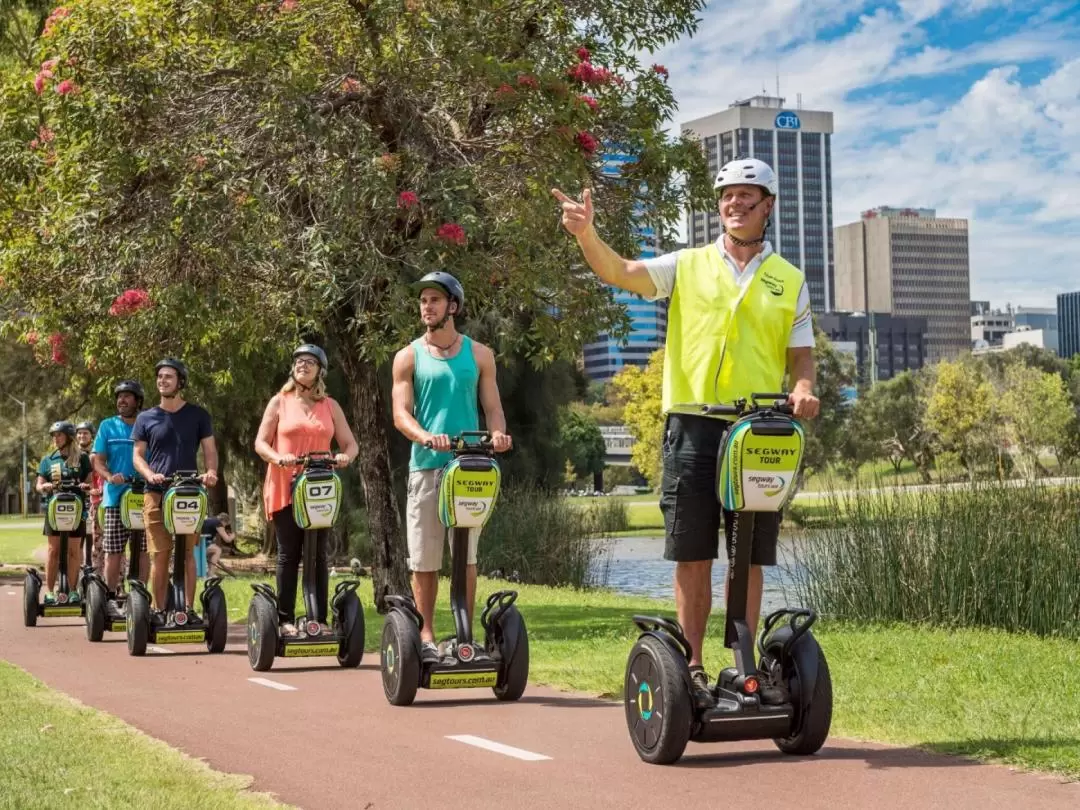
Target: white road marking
[[11, 593], [498, 748], [161, 650], [281, 687]]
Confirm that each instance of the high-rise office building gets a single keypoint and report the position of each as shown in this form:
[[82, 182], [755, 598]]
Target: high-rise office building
[[605, 357], [908, 262], [797, 144], [899, 343], [1068, 313]]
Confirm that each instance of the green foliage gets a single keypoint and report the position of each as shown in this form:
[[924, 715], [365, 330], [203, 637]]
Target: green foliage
[[582, 442], [992, 555], [1037, 412], [643, 414], [887, 421], [825, 435]]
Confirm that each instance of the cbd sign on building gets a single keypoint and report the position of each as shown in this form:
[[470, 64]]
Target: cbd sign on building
[[785, 119]]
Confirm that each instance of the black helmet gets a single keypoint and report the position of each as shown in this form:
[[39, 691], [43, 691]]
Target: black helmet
[[62, 426], [314, 351], [445, 282], [130, 387], [176, 365], [85, 426]]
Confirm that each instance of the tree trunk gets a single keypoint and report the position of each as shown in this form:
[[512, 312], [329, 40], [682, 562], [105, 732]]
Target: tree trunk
[[389, 572], [269, 543], [219, 493]]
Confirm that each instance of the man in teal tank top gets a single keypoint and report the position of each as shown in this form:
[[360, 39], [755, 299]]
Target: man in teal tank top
[[438, 379]]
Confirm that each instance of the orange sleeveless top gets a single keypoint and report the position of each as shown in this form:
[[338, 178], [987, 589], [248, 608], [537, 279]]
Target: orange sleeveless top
[[297, 433]]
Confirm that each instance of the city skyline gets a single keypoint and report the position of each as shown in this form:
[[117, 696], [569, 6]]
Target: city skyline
[[971, 108]]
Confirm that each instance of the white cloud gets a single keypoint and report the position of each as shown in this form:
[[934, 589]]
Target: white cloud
[[1001, 152]]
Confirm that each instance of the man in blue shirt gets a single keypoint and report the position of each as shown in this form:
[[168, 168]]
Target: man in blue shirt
[[167, 439], [112, 460]]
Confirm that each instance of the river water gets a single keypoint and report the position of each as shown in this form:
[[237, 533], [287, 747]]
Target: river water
[[637, 567]]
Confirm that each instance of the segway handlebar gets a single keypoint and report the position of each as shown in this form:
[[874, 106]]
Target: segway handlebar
[[741, 407], [470, 441], [184, 478], [315, 460]]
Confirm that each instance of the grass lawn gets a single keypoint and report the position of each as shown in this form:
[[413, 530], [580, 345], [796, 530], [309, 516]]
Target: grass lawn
[[953, 691], [58, 752], [18, 544]]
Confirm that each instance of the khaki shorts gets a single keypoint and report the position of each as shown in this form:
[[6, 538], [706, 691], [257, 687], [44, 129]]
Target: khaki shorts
[[158, 538], [425, 531]]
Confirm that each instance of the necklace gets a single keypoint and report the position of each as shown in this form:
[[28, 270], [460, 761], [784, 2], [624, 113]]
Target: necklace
[[431, 342]]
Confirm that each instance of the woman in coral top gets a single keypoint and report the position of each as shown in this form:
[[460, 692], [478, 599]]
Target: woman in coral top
[[299, 419]]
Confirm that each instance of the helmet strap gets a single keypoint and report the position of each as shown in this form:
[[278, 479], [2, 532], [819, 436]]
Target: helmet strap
[[299, 384]]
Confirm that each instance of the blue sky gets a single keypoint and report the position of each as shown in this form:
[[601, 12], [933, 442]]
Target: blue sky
[[970, 107]]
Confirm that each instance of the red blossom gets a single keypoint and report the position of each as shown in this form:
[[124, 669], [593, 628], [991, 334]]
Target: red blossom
[[199, 162], [72, 61], [56, 344], [388, 161], [505, 91], [45, 134], [31, 338], [350, 85], [451, 233], [130, 301], [527, 80], [587, 142], [67, 86], [407, 199], [288, 5], [583, 54], [34, 144], [660, 70], [39, 83], [589, 102], [587, 73], [54, 18]]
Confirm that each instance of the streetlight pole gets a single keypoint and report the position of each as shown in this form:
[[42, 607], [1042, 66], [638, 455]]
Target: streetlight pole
[[22, 477]]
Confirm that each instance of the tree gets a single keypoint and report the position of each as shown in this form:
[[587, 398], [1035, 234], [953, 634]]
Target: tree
[[887, 421], [582, 442], [643, 414], [959, 412], [1037, 411], [825, 435], [278, 170]]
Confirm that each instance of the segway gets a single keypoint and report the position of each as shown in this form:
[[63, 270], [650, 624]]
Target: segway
[[758, 464], [64, 513], [316, 500], [184, 508], [98, 601], [467, 493]]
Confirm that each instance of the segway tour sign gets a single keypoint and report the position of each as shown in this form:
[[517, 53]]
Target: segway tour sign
[[316, 499], [185, 510], [131, 510], [468, 491], [758, 467]]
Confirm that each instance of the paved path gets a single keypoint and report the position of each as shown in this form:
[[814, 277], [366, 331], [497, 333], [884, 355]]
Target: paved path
[[363, 753]]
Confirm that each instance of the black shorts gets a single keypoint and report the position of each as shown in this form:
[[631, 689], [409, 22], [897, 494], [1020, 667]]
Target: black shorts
[[692, 512], [77, 532]]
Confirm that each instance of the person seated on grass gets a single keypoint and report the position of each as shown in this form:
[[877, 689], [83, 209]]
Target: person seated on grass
[[218, 536]]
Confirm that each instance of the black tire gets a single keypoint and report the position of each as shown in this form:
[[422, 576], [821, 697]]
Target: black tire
[[31, 597], [517, 672], [217, 621], [262, 635], [138, 622], [659, 733], [399, 656], [813, 717], [351, 649], [95, 611]]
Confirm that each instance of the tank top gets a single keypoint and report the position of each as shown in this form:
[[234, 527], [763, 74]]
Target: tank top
[[297, 433], [444, 398]]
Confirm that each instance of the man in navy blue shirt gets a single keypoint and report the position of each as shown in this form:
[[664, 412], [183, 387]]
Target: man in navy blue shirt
[[167, 439]]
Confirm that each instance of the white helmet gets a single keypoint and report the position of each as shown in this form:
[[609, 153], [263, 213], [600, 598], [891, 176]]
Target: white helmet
[[748, 171]]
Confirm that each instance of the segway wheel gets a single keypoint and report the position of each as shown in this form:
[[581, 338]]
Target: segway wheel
[[659, 706], [31, 594], [95, 610], [217, 621], [514, 648], [262, 636], [138, 622], [400, 654], [351, 648], [813, 711]]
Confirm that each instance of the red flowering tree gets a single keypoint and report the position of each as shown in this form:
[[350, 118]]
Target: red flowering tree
[[336, 176]]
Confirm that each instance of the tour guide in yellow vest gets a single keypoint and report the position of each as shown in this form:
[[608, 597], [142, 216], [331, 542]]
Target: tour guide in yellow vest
[[739, 319]]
